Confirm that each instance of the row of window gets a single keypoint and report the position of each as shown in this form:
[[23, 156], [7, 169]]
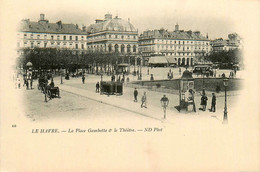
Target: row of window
[[174, 48], [54, 37], [112, 36], [183, 54], [173, 42], [45, 44], [116, 48]]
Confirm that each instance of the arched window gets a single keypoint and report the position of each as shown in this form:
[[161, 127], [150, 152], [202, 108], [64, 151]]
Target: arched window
[[128, 48], [116, 48], [122, 48], [134, 48], [110, 48]]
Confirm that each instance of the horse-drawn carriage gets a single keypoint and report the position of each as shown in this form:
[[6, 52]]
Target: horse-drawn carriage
[[52, 92], [49, 90]]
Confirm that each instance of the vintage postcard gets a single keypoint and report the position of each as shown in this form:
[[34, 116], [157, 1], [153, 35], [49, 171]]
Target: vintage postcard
[[129, 86]]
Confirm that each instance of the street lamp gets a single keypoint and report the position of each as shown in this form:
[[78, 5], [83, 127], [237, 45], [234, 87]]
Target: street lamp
[[164, 102], [225, 119], [60, 75]]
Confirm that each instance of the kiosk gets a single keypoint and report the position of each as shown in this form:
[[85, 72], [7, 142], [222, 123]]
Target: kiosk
[[186, 92]]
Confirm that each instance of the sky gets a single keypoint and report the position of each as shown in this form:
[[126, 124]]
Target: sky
[[217, 18]]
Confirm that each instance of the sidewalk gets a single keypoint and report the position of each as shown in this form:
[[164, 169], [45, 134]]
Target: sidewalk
[[153, 111]]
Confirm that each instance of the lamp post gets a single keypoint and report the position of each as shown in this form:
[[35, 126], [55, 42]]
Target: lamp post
[[164, 102], [61, 76], [225, 119]]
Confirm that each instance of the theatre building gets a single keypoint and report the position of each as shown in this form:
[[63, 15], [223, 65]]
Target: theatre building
[[113, 35]]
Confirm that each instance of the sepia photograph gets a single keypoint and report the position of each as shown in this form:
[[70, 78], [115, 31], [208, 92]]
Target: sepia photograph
[[129, 85]]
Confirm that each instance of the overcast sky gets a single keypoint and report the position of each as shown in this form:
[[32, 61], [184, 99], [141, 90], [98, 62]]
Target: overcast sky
[[217, 18]]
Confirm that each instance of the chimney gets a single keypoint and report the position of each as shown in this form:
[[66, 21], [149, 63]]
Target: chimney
[[99, 21], [189, 32], [197, 32], [108, 16], [177, 27], [42, 16], [42, 19], [77, 26], [59, 23], [84, 28]]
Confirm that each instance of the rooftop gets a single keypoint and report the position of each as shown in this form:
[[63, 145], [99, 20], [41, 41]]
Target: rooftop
[[43, 26], [111, 24], [176, 34]]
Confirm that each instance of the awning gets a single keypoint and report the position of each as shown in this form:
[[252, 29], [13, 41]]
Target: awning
[[123, 65], [158, 60], [171, 60]]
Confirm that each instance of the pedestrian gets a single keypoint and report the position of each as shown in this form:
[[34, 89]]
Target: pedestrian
[[24, 80], [231, 74], [113, 78], [97, 87], [31, 83], [18, 83], [27, 84], [180, 71], [83, 79], [213, 103], [135, 95], [204, 100], [144, 101], [151, 78]]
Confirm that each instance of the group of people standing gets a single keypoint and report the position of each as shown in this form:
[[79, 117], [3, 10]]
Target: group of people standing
[[203, 103], [144, 98], [204, 100], [28, 81]]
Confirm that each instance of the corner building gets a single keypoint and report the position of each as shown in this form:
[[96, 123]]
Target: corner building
[[43, 34], [185, 47], [112, 35], [233, 42]]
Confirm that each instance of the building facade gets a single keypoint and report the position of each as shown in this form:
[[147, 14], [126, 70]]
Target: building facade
[[43, 34], [186, 47], [233, 42], [112, 35]]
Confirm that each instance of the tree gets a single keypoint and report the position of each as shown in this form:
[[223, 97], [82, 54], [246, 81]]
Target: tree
[[231, 56]]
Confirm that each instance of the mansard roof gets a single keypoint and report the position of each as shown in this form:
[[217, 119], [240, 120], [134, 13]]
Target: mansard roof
[[43, 26], [179, 34]]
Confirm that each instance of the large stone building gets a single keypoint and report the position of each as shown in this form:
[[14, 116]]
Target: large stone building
[[44, 35], [233, 42], [112, 35], [185, 47]]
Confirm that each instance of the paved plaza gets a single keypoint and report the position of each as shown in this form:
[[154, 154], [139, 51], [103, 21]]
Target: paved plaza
[[81, 102]]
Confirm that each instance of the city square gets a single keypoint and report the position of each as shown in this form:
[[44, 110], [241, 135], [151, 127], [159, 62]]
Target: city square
[[129, 86]]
